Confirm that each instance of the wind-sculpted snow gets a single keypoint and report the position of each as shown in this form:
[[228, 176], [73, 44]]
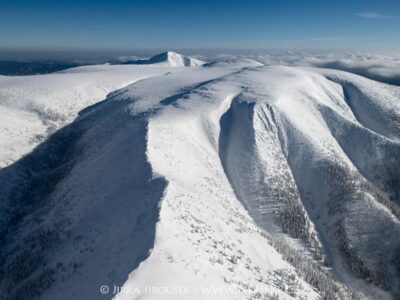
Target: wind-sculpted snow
[[229, 181]]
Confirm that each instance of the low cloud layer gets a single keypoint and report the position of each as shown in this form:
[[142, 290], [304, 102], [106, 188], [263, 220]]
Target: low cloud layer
[[384, 67]]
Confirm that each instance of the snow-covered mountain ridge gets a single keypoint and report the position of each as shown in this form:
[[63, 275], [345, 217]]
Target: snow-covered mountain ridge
[[258, 181]]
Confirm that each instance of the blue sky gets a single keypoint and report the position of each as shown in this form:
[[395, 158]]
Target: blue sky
[[307, 24]]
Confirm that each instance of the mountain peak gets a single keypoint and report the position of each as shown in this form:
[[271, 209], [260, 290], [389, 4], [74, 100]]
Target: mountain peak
[[168, 58], [174, 59]]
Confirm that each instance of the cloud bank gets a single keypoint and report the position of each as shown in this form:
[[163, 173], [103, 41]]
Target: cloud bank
[[383, 67]]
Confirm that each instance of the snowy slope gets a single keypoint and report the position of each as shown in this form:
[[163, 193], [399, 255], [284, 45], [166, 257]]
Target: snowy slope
[[229, 181], [52, 101]]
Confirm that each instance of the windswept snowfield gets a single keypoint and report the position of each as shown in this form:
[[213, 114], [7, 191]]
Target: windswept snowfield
[[172, 178]]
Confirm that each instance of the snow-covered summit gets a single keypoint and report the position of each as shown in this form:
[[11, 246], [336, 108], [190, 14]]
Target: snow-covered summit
[[169, 58]]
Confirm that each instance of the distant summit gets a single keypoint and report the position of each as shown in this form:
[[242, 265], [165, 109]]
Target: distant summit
[[168, 58]]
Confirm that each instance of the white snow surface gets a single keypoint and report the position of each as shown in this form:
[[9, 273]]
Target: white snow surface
[[174, 181]]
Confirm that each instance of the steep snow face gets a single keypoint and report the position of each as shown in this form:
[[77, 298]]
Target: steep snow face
[[375, 106], [211, 246], [171, 59], [230, 181]]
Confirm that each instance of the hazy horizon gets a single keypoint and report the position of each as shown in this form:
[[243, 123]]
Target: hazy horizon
[[93, 55]]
